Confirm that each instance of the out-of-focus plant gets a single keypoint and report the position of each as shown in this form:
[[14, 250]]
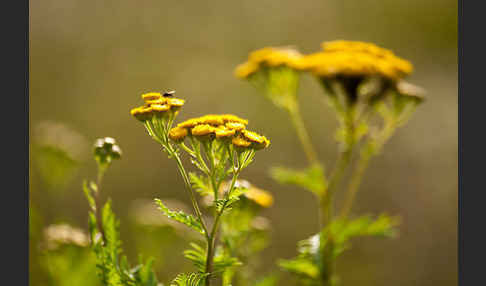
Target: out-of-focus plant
[[364, 86], [66, 257], [244, 232], [57, 151], [113, 268], [220, 147]]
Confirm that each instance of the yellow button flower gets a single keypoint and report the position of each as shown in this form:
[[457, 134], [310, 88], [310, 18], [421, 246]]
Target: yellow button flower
[[178, 133], [259, 141], [202, 130], [222, 132], [240, 142], [151, 96], [259, 196]]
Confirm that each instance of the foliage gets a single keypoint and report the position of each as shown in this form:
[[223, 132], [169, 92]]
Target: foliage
[[307, 264], [181, 217], [311, 179], [192, 279]]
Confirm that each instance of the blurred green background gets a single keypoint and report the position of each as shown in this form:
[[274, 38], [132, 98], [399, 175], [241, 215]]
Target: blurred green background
[[91, 60]]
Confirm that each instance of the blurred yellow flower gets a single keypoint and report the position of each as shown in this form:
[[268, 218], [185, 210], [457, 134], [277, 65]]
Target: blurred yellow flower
[[257, 195], [270, 57], [350, 58]]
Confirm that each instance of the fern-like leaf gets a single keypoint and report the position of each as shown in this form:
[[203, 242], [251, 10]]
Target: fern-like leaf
[[311, 179], [181, 217]]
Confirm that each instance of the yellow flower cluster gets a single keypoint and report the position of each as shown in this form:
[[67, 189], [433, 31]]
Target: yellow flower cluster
[[156, 104], [220, 126], [351, 58], [271, 57]]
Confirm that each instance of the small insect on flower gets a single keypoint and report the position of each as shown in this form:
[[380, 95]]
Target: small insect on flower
[[169, 93]]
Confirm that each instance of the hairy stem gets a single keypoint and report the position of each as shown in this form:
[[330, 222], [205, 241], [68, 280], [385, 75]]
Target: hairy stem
[[101, 172]]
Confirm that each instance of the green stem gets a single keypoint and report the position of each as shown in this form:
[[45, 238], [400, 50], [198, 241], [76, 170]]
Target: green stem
[[101, 172], [302, 134], [371, 148], [326, 199], [214, 230], [191, 193]]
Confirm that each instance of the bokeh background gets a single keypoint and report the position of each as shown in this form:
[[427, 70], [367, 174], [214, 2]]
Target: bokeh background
[[91, 60]]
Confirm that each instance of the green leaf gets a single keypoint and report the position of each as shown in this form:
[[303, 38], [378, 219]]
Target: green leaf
[[144, 275], [192, 279], [200, 184], [342, 231], [300, 266], [270, 280], [311, 179], [181, 217], [110, 227], [88, 193], [197, 255], [229, 201], [221, 261]]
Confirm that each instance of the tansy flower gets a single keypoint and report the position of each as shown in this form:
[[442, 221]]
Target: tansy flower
[[156, 104], [269, 57], [239, 141], [202, 130], [238, 126], [258, 141], [221, 125], [356, 59], [151, 96], [223, 131], [178, 133]]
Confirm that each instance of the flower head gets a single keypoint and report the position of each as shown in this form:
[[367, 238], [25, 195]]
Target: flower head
[[223, 126], [269, 57], [157, 105], [106, 150], [258, 141], [356, 59]]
